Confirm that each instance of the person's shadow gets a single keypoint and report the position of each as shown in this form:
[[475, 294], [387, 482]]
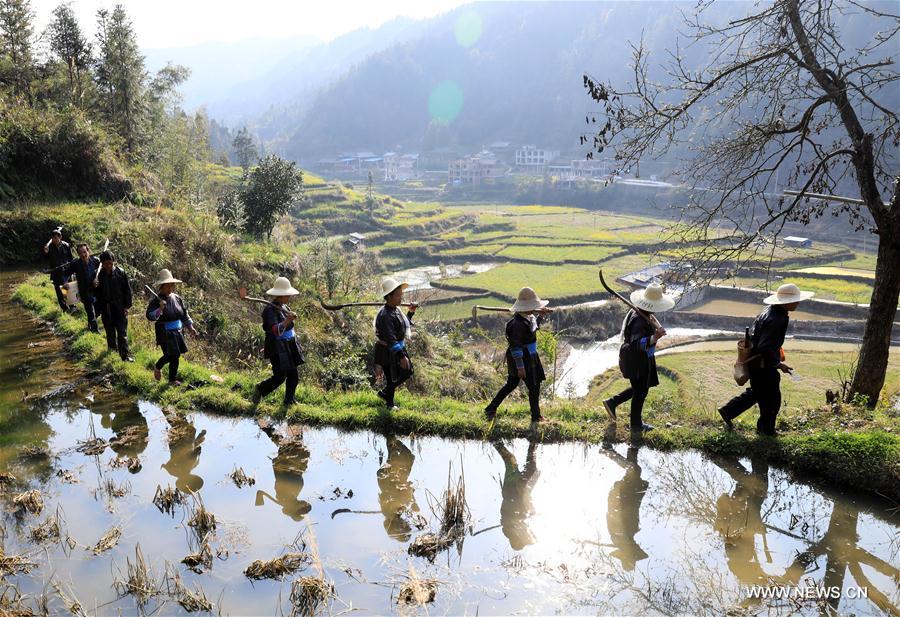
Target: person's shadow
[[396, 494], [516, 489], [132, 433], [623, 511], [184, 453], [288, 466]]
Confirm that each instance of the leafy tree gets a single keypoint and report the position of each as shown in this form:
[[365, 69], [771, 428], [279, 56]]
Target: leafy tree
[[71, 48], [370, 194], [230, 211], [244, 149], [271, 189], [121, 77], [782, 92], [16, 57]]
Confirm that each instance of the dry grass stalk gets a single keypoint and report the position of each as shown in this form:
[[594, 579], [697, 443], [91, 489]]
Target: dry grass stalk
[[139, 580], [241, 479], [417, 591], [66, 476], [191, 600], [428, 545], [7, 479], [112, 490], [132, 463], [14, 564], [167, 498], [200, 560], [12, 603], [69, 600], [92, 447], [278, 567], [310, 595], [48, 530], [29, 501], [34, 452], [129, 436], [454, 511], [202, 521], [109, 540]]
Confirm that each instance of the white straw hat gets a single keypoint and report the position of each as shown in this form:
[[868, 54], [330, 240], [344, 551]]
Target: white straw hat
[[788, 294], [528, 301], [282, 287], [652, 299], [390, 285], [165, 276]]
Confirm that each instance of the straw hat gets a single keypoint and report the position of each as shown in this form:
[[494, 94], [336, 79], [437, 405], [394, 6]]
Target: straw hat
[[528, 301], [788, 294], [390, 285], [652, 299], [282, 287], [165, 276]]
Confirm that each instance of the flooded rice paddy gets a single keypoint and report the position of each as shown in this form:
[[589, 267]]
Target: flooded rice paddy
[[736, 308], [421, 277], [546, 528]]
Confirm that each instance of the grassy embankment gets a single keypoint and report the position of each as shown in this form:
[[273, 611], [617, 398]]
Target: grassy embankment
[[864, 454]]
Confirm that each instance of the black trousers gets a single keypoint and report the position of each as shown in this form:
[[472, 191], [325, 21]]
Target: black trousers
[[88, 302], [172, 361], [59, 279], [115, 323], [391, 386], [638, 394], [512, 382], [765, 391], [288, 377]]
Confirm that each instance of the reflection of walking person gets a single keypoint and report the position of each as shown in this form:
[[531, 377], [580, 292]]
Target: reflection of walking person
[[184, 453], [288, 466], [767, 358], [396, 494], [516, 491], [637, 356], [623, 510]]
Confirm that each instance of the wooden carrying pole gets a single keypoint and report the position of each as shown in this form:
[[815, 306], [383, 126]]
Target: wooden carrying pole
[[337, 307], [648, 316]]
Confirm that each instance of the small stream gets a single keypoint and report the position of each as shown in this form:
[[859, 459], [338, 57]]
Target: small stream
[[554, 528]]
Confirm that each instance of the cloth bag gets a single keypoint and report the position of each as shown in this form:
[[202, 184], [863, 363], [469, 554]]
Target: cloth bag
[[742, 366]]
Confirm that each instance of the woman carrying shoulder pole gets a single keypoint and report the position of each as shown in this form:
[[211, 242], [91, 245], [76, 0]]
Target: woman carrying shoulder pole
[[522, 360], [282, 347], [170, 315], [392, 331], [637, 356]]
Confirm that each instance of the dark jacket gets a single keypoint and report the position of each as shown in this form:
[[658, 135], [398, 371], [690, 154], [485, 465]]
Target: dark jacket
[[521, 339], [390, 346], [84, 272], [636, 334], [769, 331], [175, 310], [59, 255], [286, 352], [113, 290]]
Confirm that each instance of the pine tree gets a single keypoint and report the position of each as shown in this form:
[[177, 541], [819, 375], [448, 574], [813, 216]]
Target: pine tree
[[121, 76], [16, 58], [71, 48], [244, 149]]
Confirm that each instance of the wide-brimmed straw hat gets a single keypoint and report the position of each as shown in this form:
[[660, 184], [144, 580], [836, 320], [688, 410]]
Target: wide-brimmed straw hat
[[282, 287], [389, 286], [528, 300], [788, 294], [652, 299], [165, 276]]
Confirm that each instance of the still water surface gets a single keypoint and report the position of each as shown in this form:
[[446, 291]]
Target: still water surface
[[555, 528]]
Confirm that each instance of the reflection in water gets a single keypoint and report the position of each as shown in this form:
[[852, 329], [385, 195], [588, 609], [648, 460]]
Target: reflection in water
[[184, 453], [130, 427], [739, 518], [623, 511], [516, 490], [395, 492], [288, 467]]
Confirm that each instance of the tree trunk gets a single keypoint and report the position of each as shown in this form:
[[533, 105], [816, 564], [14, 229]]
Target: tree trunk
[[873, 355]]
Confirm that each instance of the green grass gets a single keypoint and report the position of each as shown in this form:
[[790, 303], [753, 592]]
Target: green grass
[[863, 261], [838, 289], [552, 282], [461, 308], [559, 254]]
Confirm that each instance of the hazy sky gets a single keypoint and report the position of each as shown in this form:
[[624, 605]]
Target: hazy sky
[[176, 23]]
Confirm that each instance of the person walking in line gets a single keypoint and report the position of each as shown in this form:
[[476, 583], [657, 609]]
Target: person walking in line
[[85, 269], [766, 359], [392, 331], [282, 348], [522, 360], [114, 299], [170, 315], [637, 356], [59, 253]]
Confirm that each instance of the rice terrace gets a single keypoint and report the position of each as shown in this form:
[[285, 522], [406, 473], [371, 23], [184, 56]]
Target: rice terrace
[[449, 307]]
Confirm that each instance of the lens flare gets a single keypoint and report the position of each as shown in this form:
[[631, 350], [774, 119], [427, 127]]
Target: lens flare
[[445, 101], [468, 28]]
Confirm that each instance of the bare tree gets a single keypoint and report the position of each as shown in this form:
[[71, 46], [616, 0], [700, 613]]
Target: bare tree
[[777, 91]]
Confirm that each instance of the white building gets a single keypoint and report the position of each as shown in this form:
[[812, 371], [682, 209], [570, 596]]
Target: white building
[[534, 159], [400, 167]]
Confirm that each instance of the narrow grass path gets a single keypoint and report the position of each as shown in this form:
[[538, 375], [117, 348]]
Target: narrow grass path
[[867, 459]]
